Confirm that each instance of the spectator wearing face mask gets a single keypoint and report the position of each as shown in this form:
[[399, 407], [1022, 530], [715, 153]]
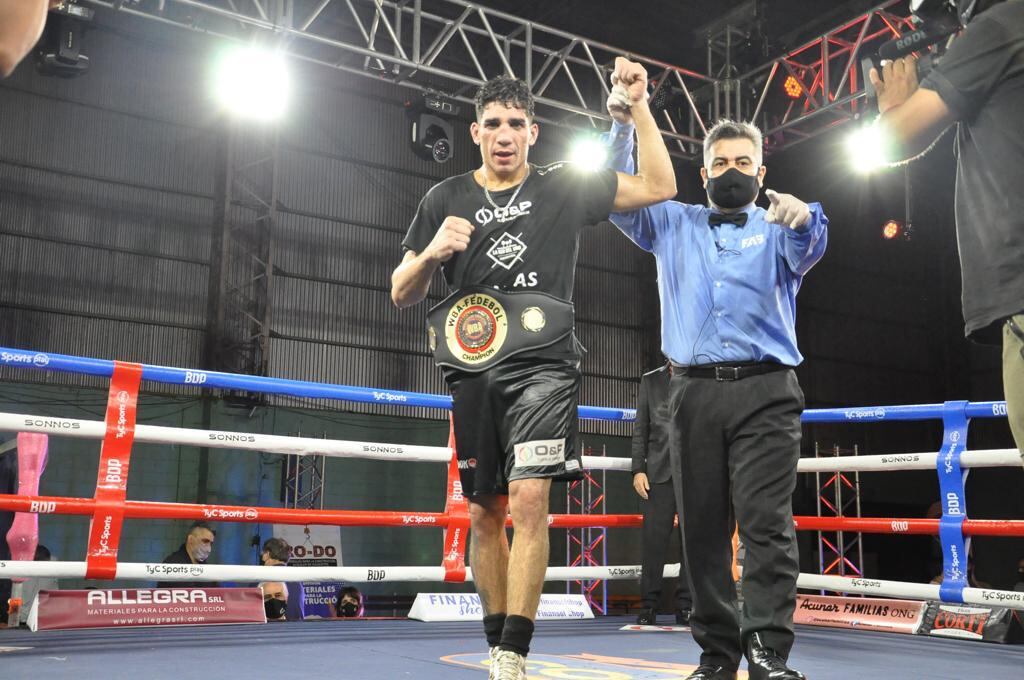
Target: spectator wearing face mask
[[276, 553], [195, 550], [275, 600], [350, 603]]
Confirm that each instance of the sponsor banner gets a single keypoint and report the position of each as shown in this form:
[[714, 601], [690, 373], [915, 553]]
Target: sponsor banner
[[970, 622], [67, 609], [314, 546], [467, 607], [868, 613]]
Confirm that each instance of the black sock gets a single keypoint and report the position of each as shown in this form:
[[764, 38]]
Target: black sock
[[493, 625], [517, 634]]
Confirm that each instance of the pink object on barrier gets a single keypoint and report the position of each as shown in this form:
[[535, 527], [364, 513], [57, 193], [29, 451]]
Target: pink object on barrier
[[23, 536]]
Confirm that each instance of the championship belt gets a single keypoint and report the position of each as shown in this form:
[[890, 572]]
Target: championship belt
[[478, 327]]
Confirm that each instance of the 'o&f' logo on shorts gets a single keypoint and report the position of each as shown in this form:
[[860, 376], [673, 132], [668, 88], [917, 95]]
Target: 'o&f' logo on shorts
[[540, 453]]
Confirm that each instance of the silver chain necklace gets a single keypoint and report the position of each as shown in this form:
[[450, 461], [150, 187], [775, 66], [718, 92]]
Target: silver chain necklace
[[511, 200]]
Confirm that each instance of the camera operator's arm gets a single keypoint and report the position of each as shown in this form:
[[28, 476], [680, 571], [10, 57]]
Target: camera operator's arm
[[912, 117], [21, 24]]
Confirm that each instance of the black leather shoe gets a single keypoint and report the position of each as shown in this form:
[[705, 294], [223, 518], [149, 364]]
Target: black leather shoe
[[764, 663], [708, 672], [683, 617], [648, 617]]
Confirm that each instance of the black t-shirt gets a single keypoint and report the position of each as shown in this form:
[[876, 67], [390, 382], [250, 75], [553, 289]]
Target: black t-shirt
[[528, 244], [981, 80]]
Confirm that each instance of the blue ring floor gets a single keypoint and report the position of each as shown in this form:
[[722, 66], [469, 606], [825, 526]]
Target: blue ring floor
[[390, 649]]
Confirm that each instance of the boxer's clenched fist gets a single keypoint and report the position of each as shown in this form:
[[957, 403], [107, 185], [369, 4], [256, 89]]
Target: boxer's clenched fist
[[451, 238]]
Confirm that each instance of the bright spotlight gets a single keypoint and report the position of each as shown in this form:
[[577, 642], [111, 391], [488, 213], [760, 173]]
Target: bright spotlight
[[589, 154], [792, 87], [892, 229], [252, 83], [867, 149]]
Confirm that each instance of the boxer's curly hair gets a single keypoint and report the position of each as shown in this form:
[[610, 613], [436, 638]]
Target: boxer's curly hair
[[512, 92]]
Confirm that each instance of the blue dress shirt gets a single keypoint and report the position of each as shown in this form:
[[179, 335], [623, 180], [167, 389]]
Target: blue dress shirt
[[728, 293]]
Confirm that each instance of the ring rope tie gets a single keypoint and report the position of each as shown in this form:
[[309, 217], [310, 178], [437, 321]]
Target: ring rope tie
[[112, 476]]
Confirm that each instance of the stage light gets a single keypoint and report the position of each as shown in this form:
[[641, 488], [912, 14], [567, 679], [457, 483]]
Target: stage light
[[793, 87], [431, 137], [892, 230], [252, 83], [589, 154], [867, 149]]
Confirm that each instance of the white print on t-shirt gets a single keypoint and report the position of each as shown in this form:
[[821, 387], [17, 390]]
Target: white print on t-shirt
[[525, 280], [506, 214], [540, 453], [752, 241], [507, 250]]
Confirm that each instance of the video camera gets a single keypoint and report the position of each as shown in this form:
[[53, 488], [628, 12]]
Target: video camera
[[935, 21]]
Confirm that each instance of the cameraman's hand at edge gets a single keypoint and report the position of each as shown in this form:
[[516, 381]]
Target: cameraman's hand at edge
[[897, 82]]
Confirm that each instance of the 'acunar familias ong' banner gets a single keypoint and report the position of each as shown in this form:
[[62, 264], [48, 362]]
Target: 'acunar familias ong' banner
[[894, 616], [64, 609]]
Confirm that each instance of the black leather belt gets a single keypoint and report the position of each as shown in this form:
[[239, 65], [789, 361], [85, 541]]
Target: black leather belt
[[728, 372]]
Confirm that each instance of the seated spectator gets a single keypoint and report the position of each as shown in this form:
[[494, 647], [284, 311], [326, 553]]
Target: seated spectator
[[30, 587], [276, 553], [350, 603], [1019, 586], [195, 550], [275, 600]]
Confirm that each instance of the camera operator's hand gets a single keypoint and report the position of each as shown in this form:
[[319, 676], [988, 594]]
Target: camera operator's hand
[[897, 82]]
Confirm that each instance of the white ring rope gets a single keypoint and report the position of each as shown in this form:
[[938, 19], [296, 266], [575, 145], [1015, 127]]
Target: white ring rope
[[225, 572], [305, 446], [153, 434]]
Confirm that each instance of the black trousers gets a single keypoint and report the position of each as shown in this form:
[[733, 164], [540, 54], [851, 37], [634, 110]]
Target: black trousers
[[659, 512], [735, 447]]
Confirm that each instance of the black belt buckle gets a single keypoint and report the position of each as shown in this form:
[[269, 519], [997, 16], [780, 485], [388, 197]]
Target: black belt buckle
[[722, 376]]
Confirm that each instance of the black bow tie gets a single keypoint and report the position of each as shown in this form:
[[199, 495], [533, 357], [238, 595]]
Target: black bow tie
[[739, 219]]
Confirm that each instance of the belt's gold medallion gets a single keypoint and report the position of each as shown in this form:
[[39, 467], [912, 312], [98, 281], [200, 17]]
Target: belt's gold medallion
[[475, 329], [533, 319]]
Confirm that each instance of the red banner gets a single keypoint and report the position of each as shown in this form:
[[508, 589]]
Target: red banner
[[64, 609], [893, 616], [112, 478]]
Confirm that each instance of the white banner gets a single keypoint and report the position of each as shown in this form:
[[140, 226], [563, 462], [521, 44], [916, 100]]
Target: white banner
[[466, 607], [314, 546]]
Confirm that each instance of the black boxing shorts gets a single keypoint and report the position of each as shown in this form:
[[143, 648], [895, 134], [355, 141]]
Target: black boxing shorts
[[516, 420]]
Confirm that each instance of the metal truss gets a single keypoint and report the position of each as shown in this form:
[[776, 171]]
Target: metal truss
[[451, 46], [304, 481], [839, 553], [829, 73], [588, 547], [242, 253]]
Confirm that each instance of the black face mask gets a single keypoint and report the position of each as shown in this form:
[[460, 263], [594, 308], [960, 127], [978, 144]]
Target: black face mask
[[732, 189], [274, 608], [348, 609]]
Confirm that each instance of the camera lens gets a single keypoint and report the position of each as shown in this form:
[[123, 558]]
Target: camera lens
[[442, 150]]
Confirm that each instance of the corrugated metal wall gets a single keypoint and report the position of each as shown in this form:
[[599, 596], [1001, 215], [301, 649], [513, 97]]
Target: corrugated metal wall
[[107, 202]]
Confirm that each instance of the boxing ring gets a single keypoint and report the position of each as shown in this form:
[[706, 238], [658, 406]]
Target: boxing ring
[[588, 649]]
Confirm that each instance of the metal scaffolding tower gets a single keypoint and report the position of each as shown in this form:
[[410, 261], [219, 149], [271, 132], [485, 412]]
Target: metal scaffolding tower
[[588, 546], [839, 553], [304, 480]]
